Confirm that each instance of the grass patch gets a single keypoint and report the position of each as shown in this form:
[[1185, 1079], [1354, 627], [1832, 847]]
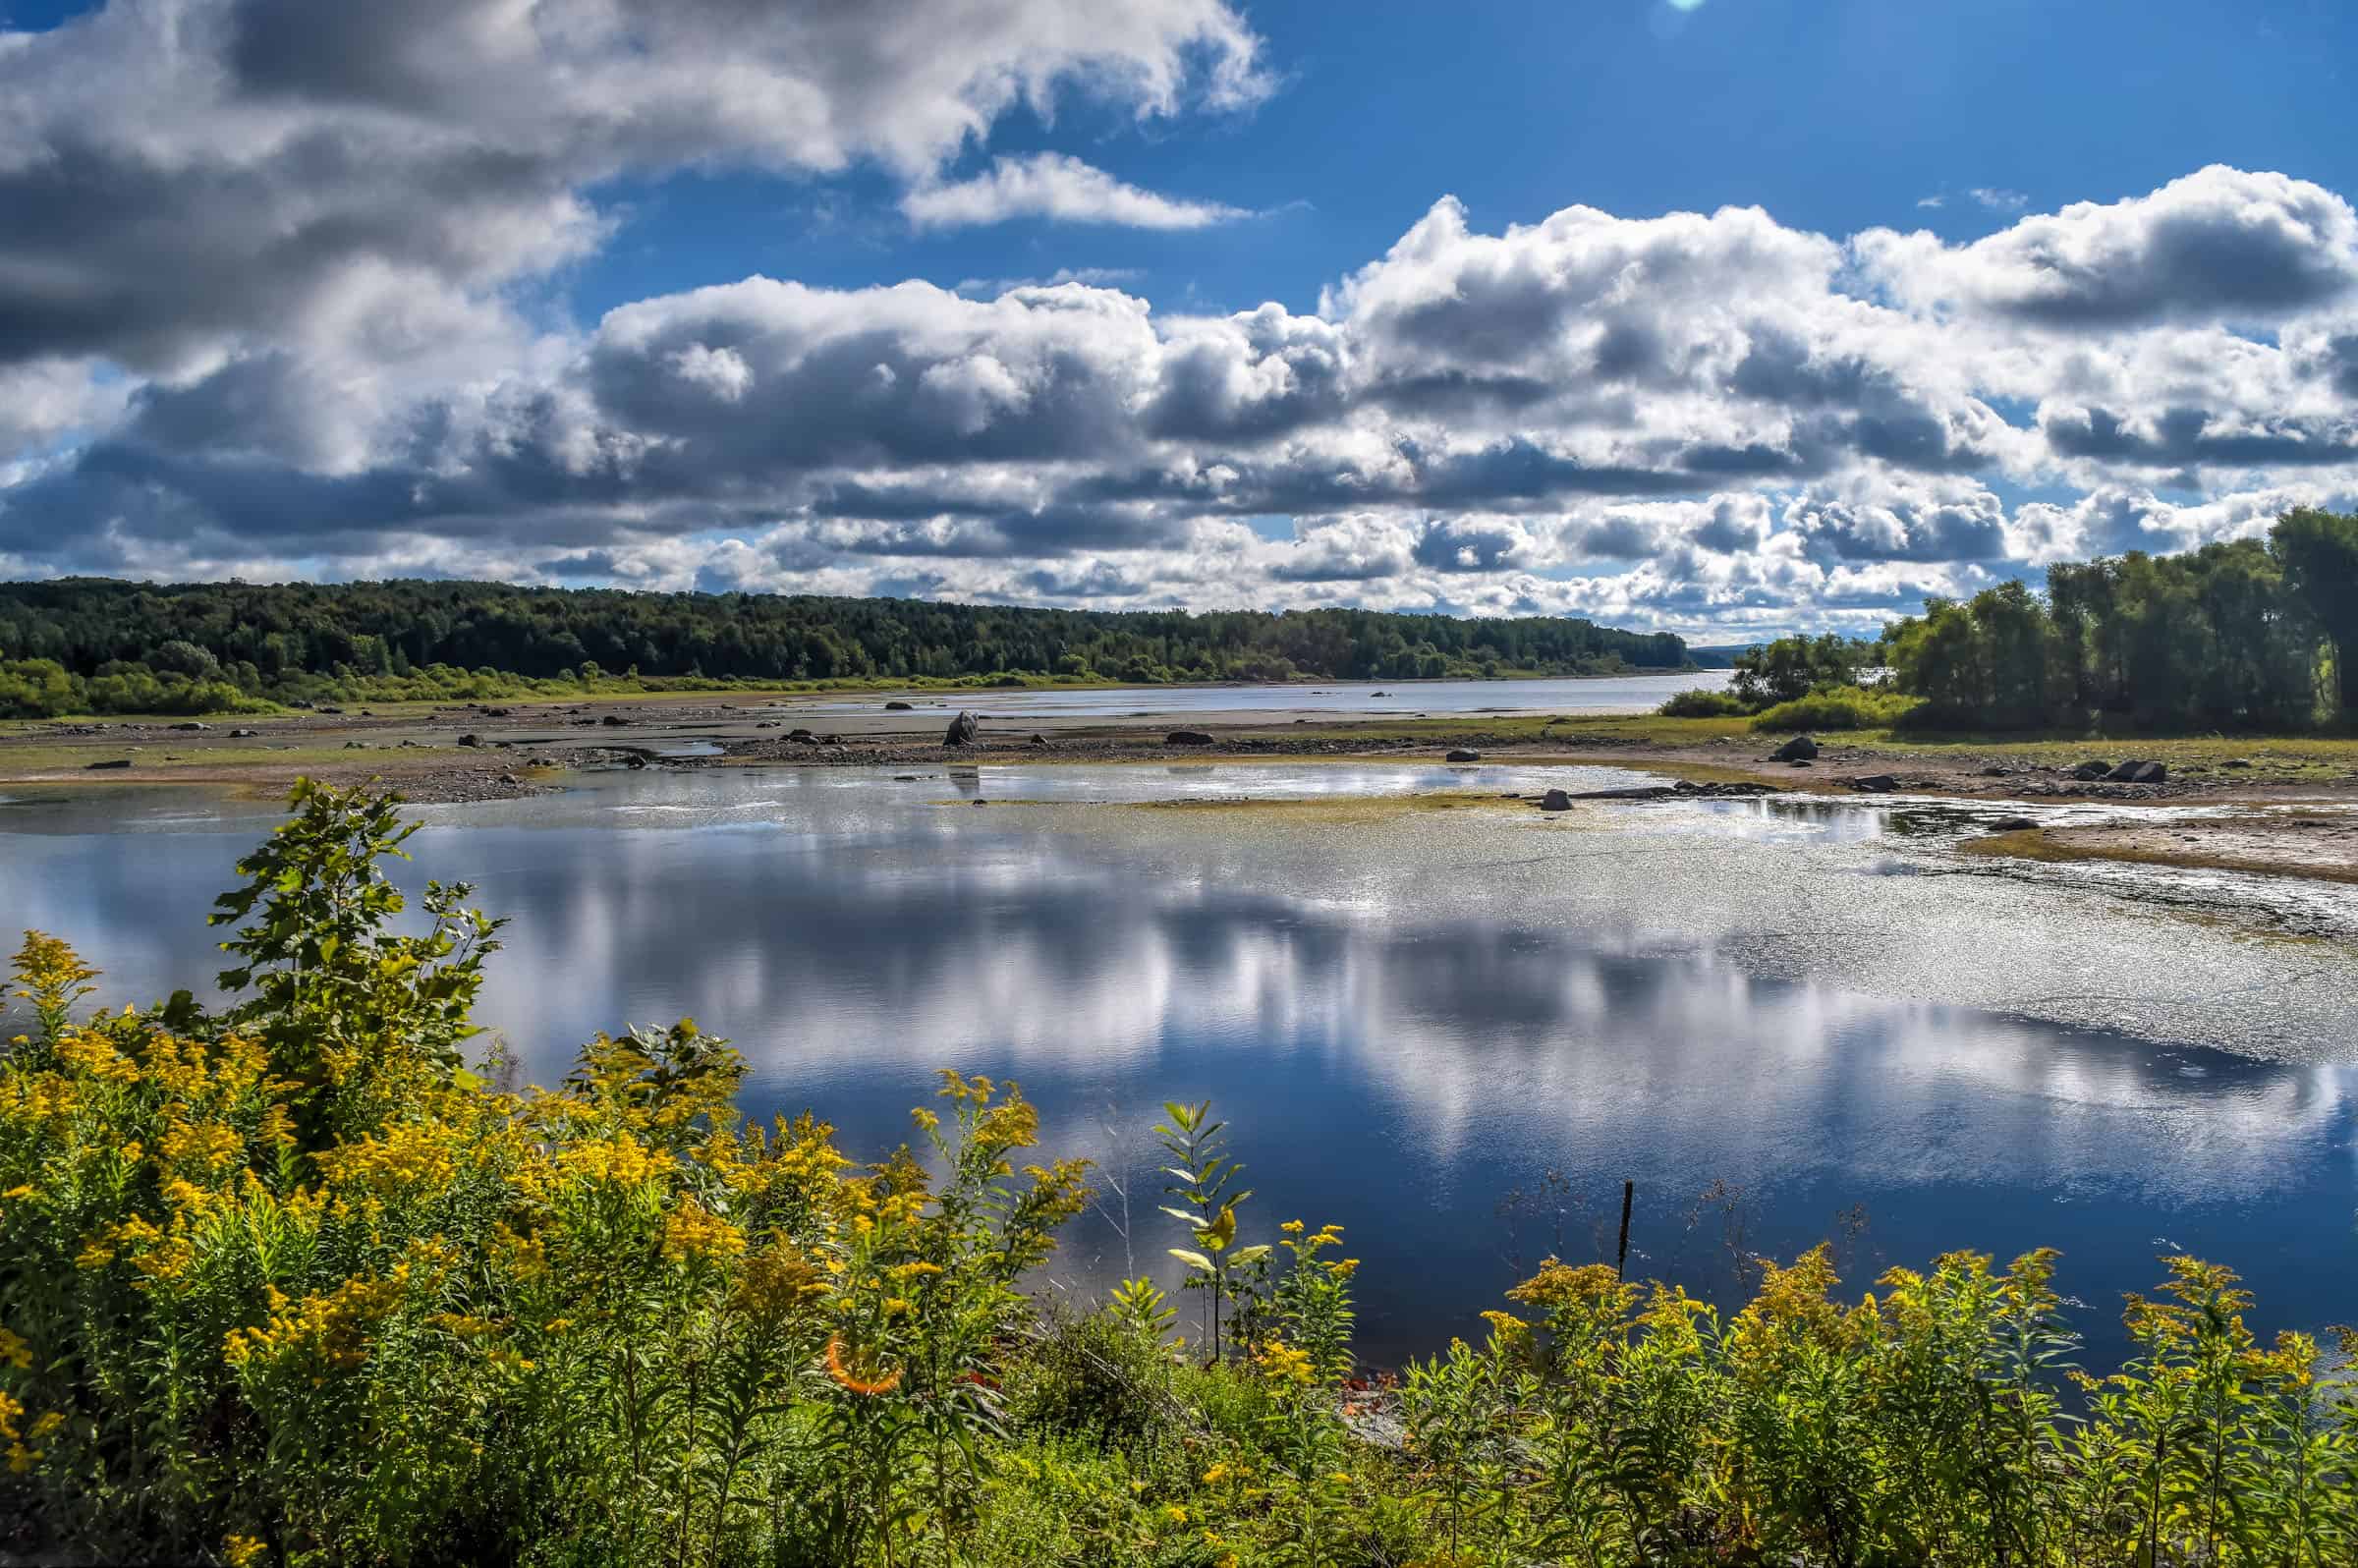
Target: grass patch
[[2038, 844]]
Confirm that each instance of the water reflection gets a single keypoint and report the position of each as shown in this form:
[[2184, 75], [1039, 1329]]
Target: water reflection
[[1406, 1024]]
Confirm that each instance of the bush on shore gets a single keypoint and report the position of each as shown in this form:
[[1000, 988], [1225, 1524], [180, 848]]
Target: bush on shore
[[286, 1282], [1700, 704], [1841, 707]]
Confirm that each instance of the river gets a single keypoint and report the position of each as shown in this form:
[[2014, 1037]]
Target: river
[[1452, 1032]]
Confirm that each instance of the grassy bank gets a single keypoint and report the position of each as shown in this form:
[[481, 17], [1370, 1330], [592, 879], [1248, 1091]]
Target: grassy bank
[[287, 1283]]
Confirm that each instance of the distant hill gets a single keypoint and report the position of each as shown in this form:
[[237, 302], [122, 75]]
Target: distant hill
[[264, 640], [1720, 658]]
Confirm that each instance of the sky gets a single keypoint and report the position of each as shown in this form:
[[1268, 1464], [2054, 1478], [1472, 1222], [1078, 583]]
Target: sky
[[1726, 318]]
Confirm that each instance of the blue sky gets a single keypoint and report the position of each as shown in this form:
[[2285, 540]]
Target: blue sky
[[1724, 316], [1834, 115]]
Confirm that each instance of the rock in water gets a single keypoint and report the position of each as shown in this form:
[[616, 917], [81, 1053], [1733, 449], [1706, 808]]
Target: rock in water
[[1463, 756], [2013, 825], [1555, 801], [1800, 748], [1875, 784], [962, 729], [898, 707], [470, 739], [1187, 738]]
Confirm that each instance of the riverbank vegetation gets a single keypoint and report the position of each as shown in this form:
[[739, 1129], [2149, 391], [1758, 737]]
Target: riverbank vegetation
[[286, 1280], [96, 644], [2253, 636]]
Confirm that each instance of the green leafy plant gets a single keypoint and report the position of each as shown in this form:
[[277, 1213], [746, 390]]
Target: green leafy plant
[[1204, 1180]]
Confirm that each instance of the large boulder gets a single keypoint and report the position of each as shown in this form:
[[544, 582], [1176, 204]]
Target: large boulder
[[2091, 770], [1555, 801], [1187, 738], [1463, 756], [899, 707], [1800, 748], [2146, 772], [1875, 784], [962, 729]]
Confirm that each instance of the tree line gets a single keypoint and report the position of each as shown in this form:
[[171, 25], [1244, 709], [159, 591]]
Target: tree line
[[126, 647], [2251, 635]]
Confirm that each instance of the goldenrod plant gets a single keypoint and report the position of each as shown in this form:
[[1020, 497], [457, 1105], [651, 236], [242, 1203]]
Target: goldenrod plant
[[286, 1282]]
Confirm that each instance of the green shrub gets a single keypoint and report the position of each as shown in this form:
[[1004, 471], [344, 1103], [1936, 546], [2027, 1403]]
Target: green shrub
[[1700, 704], [1841, 707]]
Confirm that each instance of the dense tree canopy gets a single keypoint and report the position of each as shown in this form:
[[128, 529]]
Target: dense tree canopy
[[261, 639], [2248, 635]]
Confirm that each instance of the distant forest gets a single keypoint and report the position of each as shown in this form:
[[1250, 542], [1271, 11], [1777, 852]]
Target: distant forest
[[96, 644]]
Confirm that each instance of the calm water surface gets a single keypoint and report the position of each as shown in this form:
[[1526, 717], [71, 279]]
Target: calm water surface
[[1452, 1032], [1631, 693]]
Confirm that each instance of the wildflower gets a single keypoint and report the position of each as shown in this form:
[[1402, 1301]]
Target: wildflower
[[1280, 1363], [621, 1160], [693, 1234], [407, 1156], [1174, 1513], [775, 1282], [242, 1552], [1217, 1474], [19, 1192], [15, 1351]]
